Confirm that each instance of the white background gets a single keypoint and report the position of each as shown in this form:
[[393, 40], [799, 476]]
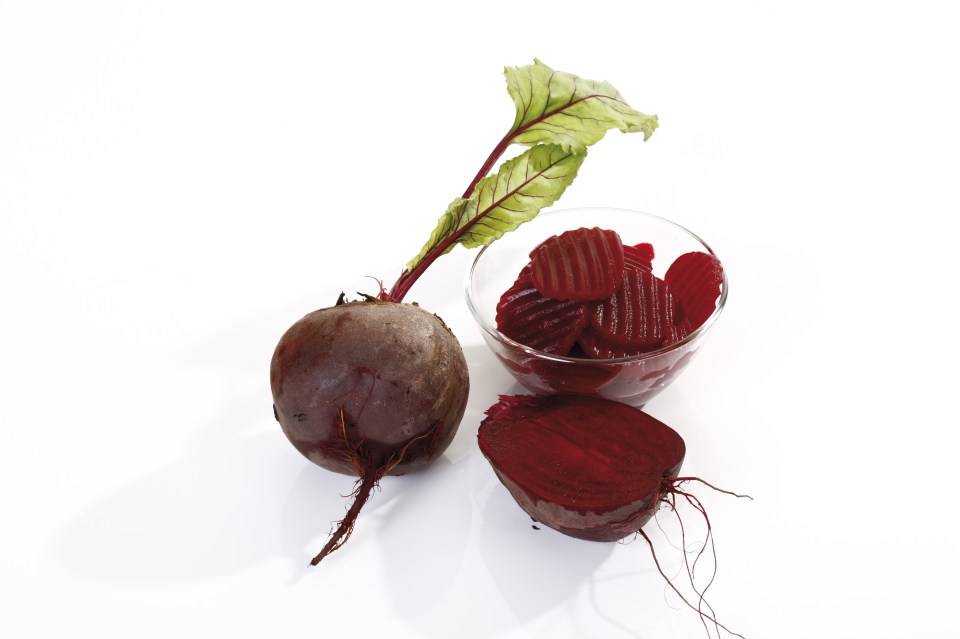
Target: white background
[[180, 181]]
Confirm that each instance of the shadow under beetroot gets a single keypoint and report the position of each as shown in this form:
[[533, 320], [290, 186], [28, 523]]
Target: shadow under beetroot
[[205, 516], [414, 530]]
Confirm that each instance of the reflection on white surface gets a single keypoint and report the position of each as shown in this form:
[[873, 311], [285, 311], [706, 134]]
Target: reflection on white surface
[[398, 523], [198, 519]]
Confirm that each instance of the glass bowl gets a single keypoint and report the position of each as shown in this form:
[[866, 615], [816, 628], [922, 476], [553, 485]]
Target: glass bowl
[[631, 380]]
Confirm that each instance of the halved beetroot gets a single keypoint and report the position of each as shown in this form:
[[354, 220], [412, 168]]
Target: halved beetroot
[[590, 468], [583, 264], [639, 314], [548, 325], [695, 279]]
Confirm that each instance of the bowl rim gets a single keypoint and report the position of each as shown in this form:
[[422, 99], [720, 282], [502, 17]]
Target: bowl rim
[[500, 337]]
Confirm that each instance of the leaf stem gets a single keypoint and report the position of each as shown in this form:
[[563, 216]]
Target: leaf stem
[[407, 278], [491, 160]]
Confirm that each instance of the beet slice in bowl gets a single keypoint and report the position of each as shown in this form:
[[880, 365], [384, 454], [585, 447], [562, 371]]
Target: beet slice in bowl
[[695, 279], [639, 256], [582, 264], [640, 313], [548, 325]]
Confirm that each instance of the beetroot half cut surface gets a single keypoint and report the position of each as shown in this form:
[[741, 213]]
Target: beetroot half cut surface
[[588, 467], [598, 470]]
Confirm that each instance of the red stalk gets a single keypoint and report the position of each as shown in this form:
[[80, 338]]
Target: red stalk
[[407, 278]]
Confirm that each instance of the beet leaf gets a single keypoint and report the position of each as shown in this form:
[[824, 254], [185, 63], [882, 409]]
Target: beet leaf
[[502, 202], [558, 115], [553, 106]]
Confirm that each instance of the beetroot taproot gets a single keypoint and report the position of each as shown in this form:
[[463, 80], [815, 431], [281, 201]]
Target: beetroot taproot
[[369, 388]]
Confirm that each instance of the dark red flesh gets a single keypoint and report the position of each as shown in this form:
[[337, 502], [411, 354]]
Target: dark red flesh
[[639, 256], [695, 279], [549, 325], [590, 468], [577, 378], [583, 264], [639, 314], [597, 346], [553, 305]]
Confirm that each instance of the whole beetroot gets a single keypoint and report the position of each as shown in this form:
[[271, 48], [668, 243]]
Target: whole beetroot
[[368, 389]]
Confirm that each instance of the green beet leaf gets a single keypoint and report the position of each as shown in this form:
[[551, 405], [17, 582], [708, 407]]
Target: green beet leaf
[[561, 108], [558, 115], [503, 201]]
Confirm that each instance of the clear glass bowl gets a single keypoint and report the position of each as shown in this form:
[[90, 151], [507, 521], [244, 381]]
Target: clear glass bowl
[[631, 380]]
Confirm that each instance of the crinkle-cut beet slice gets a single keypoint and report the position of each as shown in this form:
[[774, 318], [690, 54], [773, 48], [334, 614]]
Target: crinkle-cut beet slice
[[639, 256], [548, 325], [551, 377], [575, 378], [588, 467], [639, 313], [598, 347], [695, 279], [678, 331], [583, 264]]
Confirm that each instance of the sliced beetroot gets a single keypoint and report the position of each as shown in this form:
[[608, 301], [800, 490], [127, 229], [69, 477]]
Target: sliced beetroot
[[548, 325], [639, 256], [598, 347], [695, 279], [576, 378], [590, 468], [678, 331], [583, 264], [639, 314]]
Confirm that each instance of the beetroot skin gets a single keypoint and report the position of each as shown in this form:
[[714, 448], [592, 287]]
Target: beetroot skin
[[368, 389], [588, 467]]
